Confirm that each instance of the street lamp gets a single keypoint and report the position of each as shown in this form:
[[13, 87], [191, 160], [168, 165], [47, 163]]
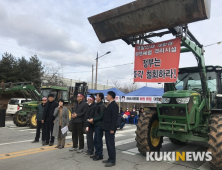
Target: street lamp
[[97, 65]]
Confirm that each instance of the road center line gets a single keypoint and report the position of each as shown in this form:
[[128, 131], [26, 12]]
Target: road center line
[[16, 142]]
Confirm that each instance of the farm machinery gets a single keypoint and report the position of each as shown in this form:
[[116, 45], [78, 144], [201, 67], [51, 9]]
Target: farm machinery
[[27, 115], [191, 108]]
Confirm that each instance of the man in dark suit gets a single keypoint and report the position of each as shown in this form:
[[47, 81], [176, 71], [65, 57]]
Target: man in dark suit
[[78, 114], [109, 126], [48, 120]]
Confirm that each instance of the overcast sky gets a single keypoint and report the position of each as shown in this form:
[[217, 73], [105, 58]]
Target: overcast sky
[[59, 32]]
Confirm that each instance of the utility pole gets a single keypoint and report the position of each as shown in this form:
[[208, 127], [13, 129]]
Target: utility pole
[[97, 65], [92, 78], [107, 82], [96, 70]]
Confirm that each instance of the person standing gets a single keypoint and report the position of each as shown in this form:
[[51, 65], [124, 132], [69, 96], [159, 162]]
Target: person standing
[[97, 120], [120, 121], [61, 114], [40, 125], [89, 127], [48, 119], [109, 126], [78, 114]]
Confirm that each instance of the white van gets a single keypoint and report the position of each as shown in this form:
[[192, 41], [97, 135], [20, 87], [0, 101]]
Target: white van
[[15, 104]]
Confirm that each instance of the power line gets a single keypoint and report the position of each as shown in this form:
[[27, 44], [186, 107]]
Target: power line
[[17, 48], [213, 44], [100, 68]]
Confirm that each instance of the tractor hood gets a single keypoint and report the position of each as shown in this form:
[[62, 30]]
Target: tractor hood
[[180, 93]]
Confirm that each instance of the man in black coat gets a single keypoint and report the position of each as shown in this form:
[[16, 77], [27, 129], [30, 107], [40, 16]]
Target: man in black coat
[[48, 120], [78, 114], [89, 126], [109, 126]]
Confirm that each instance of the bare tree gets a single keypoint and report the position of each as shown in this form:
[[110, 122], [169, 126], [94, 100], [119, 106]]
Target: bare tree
[[52, 76], [126, 88], [116, 84]]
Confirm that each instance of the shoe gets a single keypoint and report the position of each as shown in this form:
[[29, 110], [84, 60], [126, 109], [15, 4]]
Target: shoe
[[106, 161], [109, 164], [98, 158], [35, 141], [93, 156], [79, 151], [89, 154], [51, 144], [60, 147], [73, 149], [44, 143], [57, 146], [86, 152]]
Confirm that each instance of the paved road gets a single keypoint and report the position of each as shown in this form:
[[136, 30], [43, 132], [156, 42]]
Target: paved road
[[18, 153]]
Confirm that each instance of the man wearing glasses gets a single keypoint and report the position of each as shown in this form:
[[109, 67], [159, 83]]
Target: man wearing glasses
[[39, 113]]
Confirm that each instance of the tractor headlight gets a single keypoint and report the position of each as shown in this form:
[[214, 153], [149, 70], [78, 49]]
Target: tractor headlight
[[165, 100], [183, 100]]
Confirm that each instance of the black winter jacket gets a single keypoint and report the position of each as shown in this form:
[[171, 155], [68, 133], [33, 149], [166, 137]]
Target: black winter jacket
[[89, 114], [39, 112], [51, 111], [99, 113], [80, 109], [110, 117]]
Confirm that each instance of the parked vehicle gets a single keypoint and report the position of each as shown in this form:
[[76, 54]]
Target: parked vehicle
[[15, 104]]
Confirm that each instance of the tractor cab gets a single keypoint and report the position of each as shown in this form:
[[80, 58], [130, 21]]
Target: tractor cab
[[59, 92], [189, 83]]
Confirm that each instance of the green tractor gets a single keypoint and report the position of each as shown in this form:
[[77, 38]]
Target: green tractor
[[27, 115], [191, 108]]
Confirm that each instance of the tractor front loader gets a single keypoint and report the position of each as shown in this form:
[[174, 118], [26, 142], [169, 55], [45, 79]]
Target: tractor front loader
[[191, 108], [27, 115]]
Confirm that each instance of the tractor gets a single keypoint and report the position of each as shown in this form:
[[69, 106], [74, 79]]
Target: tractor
[[191, 108], [27, 115]]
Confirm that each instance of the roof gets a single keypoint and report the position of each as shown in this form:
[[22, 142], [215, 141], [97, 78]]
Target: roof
[[209, 68], [20, 99], [118, 92], [147, 91], [55, 87]]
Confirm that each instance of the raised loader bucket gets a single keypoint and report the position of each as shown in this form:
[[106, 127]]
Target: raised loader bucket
[[144, 16]]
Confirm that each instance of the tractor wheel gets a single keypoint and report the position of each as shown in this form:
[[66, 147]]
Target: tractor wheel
[[177, 142], [19, 120], [31, 119], [145, 142], [215, 141]]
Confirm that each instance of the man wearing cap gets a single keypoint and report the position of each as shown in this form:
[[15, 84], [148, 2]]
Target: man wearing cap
[[109, 126], [88, 126], [48, 119], [39, 113], [78, 114]]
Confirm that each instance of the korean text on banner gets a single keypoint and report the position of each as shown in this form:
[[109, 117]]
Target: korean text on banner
[[157, 62]]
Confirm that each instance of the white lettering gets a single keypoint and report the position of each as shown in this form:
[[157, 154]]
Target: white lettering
[[198, 156], [149, 156], [167, 156], [208, 156], [188, 156]]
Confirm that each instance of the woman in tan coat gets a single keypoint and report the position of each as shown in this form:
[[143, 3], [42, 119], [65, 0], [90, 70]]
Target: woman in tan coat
[[61, 114]]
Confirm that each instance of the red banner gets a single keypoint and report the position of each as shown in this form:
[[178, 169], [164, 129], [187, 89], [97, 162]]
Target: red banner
[[157, 62]]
